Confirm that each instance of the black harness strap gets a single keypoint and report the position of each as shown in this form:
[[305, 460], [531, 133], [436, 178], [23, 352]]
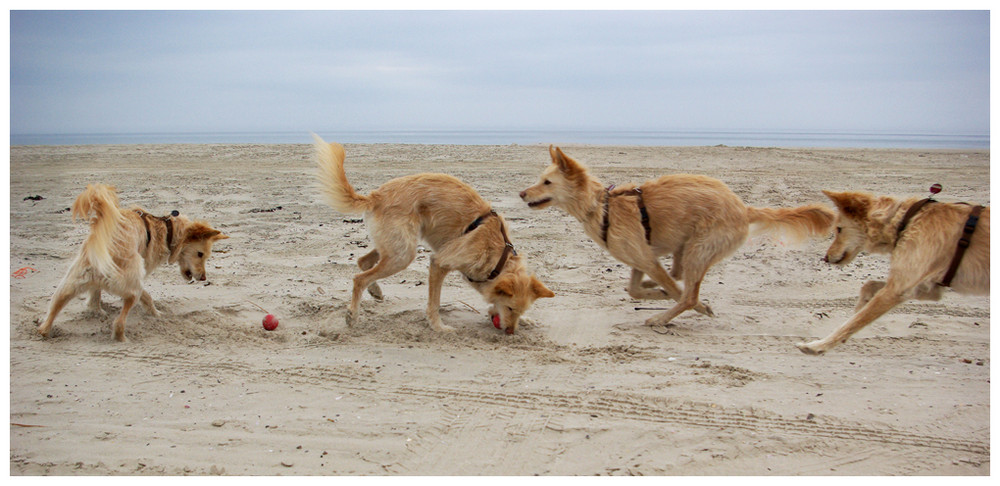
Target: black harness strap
[[910, 213], [507, 249], [166, 222], [644, 215], [963, 244]]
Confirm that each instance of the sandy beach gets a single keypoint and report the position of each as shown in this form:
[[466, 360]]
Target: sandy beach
[[584, 388]]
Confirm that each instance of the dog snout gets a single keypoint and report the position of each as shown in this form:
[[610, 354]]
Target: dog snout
[[202, 277], [524, 194], [826, 258]]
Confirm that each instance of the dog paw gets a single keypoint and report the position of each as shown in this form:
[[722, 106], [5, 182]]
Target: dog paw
[[439, 327], [96, 313], [376, 292], [810, 348], [705, 309], [657, 321], [350, 318]]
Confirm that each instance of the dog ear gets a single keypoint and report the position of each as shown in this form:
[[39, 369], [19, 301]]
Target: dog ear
[[504, 288], [854, 205], [567, 166], [539, 289], [201, 231]]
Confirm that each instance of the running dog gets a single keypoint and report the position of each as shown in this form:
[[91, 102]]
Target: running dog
[[465, 234], [123, 247], [931, 246], [695, 218]]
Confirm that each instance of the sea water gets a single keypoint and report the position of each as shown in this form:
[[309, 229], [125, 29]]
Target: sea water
[[747, 138]]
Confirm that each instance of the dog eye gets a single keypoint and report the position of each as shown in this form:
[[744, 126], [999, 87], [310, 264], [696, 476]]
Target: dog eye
[[839, 229], [546, 182], [200, 254]]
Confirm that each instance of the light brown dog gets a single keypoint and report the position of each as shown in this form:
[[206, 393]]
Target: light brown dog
[[123, 247], [919, 257], [696, 219], [465, 234]]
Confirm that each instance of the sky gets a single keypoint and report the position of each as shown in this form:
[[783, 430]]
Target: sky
[[229, 71]]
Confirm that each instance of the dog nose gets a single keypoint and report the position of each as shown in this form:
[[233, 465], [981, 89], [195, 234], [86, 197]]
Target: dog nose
[[203, 278], [523, 194], [826, 258]]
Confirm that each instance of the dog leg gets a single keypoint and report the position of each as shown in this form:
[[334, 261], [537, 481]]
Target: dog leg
[[660, 276], [644, 289], [677, 268], [147, 302], [687, 300], [868, 290], [434, 283], [63, 295], [94, 304], [119, 324], [366, 262], [883, 300], [388, 264]]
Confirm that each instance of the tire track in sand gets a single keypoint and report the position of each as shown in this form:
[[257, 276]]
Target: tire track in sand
[[601, 403]]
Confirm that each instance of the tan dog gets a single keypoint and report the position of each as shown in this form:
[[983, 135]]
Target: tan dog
[[122, 248], [465, 234], [920, 256], [696, 219]]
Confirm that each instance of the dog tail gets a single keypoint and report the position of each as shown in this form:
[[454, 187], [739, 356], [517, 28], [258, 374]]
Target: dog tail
[[814, 220], [333, 180], [100, 201]]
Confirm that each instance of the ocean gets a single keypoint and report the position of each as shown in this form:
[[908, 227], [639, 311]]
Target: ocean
[[743, 138]]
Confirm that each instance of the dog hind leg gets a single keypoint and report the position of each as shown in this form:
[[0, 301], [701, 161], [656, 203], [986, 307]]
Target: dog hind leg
[[119, 324], [366, 262], [388, 264], [63, 295]]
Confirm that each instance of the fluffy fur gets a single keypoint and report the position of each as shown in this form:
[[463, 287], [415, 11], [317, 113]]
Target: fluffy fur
[[437, 208], [116, 257], [919, 257], [696, 219]]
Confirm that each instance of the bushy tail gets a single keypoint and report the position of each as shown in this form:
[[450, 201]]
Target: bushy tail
[[795, 223], [100, 201], [333, 181]]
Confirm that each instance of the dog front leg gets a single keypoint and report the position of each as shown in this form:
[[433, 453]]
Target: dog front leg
[[644, 290], [94, 304], [883, 300], [119, 324], [147, 302], [868, 290], [434, 284]]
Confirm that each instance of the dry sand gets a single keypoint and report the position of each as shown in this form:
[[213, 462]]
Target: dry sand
[[584, 390]]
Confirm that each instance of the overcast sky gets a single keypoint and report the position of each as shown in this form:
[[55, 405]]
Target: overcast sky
[[99, 71]]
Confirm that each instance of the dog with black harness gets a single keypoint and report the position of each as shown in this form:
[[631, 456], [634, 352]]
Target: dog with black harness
[[932, 245]]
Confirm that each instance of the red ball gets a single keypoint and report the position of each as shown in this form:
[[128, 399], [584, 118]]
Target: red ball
[[496, 321], [270, 322]]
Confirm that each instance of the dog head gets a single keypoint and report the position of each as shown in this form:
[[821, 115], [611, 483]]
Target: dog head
[[193, 248], [559, 184], [511, 295], [851, 226]]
